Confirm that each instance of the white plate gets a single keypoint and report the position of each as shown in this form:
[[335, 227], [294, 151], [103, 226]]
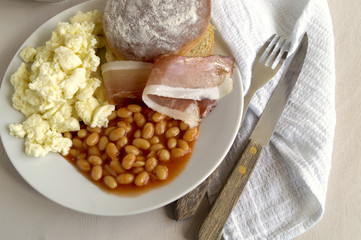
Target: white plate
[[58, 180]]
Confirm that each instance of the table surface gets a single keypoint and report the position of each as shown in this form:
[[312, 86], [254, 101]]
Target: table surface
[[25, 214]]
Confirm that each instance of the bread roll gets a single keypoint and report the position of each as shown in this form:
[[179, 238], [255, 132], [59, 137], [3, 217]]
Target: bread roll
[[143, 30]]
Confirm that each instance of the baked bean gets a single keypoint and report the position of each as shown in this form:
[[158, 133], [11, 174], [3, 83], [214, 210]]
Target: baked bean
[[81, 156], [83, 165], [137, 134], [109, 130], [169, 125], [82, 133], [191, 134], [128, 161], [112, 151], [124, 113], [74, 152], [141, 179], [112, 116], [160, 127], [137, 170], [156, 147], [116, 134], [132, 149], [163, 155], [183, 144], [150, 164], [68, 135], [102, 144], [77, 143], [95, 160], [183, 126], [117, 166], [172, 143], [125, 178], [139, 119], [141, 143], [154, 140], [148, 131], [134, 108], [151, 154], [110, 182], [129, 119], [92, 130], [139, 164], [125, 125], [85, 146], [177, 152], [92, 139], [161, 172], [122, 142], [172, 132], [157, 117], [108, 170], [94, 150], [97, 172]]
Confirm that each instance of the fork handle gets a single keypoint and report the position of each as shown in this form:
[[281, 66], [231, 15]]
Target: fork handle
[[213, 224]]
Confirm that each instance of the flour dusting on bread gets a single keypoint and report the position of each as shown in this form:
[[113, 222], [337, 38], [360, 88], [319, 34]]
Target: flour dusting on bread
[[145, 29]]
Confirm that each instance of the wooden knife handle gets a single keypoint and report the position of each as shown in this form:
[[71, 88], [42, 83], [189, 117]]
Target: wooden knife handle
[[187, 205], [213, 224]]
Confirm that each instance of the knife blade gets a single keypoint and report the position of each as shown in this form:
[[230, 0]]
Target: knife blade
[[212, 226]]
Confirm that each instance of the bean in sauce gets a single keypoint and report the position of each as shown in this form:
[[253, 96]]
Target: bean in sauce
[[139, 150]]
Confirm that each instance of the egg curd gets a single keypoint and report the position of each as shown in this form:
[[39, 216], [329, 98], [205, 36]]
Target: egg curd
[[58, 85]]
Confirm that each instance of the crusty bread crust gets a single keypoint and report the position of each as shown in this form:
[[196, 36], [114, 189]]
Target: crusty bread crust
[[205, 47], [146, 29]]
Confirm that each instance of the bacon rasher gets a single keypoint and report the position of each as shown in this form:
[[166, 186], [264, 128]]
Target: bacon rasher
[[187, 88], [184, 88], [125, 79]]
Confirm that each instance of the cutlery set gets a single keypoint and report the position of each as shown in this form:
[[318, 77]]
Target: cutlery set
[[268, 62]]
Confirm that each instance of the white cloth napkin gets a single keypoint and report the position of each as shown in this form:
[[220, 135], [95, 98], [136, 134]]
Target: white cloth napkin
[[286, 193]]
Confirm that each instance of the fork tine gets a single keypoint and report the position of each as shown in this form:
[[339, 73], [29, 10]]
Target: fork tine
[[279, 54], [276, 54], [270, 47], [276, 50], [282, 55]]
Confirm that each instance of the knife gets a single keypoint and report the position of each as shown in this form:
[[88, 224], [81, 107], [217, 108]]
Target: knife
[[213, 224], [187, 205]]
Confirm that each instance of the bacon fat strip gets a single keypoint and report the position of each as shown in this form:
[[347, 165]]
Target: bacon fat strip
[[188, 81]]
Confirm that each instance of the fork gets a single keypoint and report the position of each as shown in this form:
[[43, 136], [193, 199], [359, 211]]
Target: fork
[[268, 61]]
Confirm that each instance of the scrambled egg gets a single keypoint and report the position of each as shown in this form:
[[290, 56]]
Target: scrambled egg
[[57, 86]]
